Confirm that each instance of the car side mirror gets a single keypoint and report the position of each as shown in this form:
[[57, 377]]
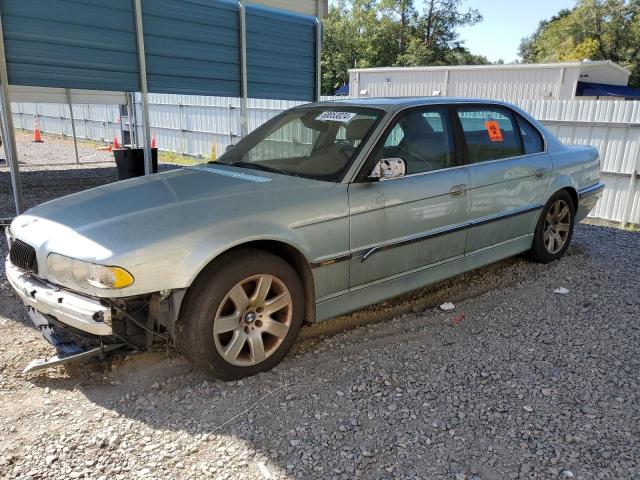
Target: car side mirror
[[388, 168]]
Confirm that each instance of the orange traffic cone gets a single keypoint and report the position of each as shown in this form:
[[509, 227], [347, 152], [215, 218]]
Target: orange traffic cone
[[37, 135], [154, 142], [116, 143]]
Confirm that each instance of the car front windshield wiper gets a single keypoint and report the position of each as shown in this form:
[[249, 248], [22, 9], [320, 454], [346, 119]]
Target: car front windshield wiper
[[254, 166]]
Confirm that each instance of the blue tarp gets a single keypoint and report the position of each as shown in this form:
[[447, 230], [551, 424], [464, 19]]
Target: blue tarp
[[343, 90], [586, 89]]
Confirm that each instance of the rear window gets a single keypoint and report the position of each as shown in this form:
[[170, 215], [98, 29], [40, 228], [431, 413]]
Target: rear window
[[531, 138], [490, 133]]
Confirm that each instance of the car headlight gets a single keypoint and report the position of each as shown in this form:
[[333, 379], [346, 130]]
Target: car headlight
[[84, 274]]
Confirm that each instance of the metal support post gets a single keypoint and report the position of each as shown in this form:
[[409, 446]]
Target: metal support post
[[628, 202], [244, 93], [318, 91], [129, 122], [8, 134], [133, 122], [146, 130], [73, 125]]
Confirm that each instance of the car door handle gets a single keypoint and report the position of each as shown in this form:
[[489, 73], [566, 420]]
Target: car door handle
[[458, 191], [541, 172]]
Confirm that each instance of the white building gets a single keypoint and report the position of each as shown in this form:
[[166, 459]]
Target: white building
[[559, 81]]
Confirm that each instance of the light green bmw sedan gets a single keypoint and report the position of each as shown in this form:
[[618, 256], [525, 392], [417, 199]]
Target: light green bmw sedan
[[326, 208]]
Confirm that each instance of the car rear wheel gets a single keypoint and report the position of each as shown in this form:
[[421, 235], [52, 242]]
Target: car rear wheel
[[242, 315], [554, 229]]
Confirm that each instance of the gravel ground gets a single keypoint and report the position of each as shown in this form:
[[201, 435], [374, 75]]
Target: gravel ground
[[57, 150], [529, 384], [61, 176]]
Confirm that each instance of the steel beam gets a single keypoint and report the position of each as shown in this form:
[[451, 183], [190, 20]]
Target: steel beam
[[244, 87], [8, 134], [133, 119], [628, 202], [144, 104], [318, 91], [129, 121], [73, 125]]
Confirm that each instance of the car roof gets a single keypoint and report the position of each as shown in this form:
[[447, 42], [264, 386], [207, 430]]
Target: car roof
[[397, 103]]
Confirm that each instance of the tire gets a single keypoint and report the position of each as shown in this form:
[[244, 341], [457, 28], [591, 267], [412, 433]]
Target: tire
[[554, 230], [241, 315]]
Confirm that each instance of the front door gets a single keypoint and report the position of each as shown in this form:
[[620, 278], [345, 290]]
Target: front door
[[409, 223], [509, 173]]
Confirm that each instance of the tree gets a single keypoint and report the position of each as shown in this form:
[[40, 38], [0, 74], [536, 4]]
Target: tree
[[380, 33], [356, 33], [595, 30], [340, 48], [406, 14]]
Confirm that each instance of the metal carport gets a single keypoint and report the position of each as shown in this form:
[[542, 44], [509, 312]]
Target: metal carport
[[247, 49]]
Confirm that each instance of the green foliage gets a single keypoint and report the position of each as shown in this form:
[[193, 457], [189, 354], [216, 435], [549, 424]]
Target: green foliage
[[383, 33], [594, 29]]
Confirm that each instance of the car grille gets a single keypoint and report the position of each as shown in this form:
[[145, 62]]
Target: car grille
[[23, 256]]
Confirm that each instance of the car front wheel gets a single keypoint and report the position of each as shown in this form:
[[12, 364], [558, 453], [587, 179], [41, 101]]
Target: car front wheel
[[242, 315]]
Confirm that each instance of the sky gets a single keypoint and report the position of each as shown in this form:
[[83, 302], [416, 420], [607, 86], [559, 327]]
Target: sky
[[505, 23]]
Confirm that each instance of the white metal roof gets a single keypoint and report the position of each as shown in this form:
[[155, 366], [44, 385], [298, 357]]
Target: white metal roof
[[510, 66]]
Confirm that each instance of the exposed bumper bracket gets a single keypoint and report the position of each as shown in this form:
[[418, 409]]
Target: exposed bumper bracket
[[70, 347], [42, 363]]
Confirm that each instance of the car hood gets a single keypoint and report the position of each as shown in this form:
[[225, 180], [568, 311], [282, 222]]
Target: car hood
[[131, 214]]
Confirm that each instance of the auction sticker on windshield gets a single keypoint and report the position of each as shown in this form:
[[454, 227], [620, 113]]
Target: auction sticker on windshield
[[344, 117]]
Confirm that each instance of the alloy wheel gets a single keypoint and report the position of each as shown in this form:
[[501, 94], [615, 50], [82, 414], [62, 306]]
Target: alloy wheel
[[557, 226], [253, 320]]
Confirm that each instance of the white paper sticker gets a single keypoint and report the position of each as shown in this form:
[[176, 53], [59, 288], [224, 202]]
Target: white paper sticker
[[344, 117]]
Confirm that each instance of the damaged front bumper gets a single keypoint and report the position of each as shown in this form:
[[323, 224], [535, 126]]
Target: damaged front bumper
[[77, 311], [77, 326]]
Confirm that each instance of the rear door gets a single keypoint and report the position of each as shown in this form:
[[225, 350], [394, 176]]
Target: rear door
[[408, 223], [509, 171]]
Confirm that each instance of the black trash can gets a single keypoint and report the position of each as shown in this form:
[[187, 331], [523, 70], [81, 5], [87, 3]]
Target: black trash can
[[130, 162]]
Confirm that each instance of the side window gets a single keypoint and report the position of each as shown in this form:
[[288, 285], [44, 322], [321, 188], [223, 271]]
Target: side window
[[490, 133], [422, 138], [531, 138]]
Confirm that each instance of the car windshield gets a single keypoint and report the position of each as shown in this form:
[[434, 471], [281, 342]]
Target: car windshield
[[313, 142]]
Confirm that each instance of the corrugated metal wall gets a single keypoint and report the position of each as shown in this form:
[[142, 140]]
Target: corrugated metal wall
[[192, 46], [402, 84], [92, 122], [613, 127], [68, 43], [281, 50], [507, 84], [192, 125]]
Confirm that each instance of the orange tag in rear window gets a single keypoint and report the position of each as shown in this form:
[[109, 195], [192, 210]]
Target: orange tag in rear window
[[493, 129]]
